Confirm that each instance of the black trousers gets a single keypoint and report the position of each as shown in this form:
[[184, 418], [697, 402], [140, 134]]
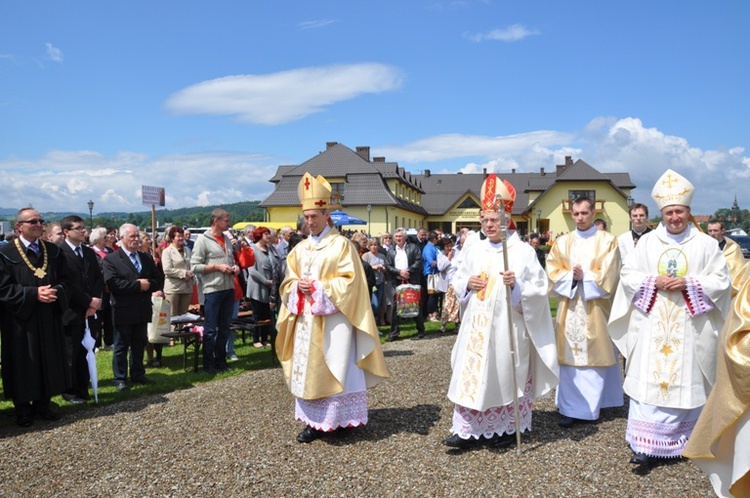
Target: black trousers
[[131, 337], [395, 331], [77, 374]]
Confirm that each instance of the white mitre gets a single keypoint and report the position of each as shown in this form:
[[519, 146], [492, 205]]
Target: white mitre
[[672, 188]]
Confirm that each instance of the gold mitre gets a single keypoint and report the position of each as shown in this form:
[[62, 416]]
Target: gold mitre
[[314, 193], [672, 188]]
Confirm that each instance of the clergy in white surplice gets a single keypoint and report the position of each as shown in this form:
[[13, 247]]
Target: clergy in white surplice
[[481, 385], [670, 305], [583, 268]]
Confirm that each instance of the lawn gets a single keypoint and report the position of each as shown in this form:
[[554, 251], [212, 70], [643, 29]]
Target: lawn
[[171, 376]]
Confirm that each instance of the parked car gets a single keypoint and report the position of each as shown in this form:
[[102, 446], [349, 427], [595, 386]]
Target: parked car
[[744, 242]]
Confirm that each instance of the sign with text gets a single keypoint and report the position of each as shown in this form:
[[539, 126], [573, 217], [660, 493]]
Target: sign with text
[[153, 196]]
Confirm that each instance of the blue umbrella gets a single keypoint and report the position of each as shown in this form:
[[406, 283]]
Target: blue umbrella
[[341, 218]]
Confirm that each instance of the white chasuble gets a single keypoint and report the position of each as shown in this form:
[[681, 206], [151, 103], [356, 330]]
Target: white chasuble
[[481, 358], [670, 338]]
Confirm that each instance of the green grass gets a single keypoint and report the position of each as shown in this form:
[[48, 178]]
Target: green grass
[[171, 376]]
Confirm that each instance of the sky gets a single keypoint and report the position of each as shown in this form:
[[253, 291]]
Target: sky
[[208, 98]]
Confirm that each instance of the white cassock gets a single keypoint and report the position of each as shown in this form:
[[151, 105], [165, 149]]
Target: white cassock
[[669, 338], [481, 385]]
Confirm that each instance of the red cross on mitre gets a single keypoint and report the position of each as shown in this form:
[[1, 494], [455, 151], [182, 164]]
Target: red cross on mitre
[[320, 203], [307, 184]]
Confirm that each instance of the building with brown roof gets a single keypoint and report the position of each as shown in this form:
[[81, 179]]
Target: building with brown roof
[[387, 196]]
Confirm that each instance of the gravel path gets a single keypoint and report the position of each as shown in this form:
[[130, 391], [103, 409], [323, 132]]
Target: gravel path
[[235, 437]]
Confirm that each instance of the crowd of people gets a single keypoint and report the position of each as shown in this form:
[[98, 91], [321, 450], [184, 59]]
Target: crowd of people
[[654, 300]]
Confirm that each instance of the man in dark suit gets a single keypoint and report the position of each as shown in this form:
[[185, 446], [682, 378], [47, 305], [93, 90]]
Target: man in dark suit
[[404, 263], [86, 286], [33, 296], [132, 277]]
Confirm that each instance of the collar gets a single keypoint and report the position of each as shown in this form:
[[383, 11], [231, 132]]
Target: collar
[[71, 245], [317, 238], [585, 234], [26, 243]]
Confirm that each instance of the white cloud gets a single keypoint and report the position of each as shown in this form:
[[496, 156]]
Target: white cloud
[[54, 53], [606, 143], [66, 180], [455, 145], [278, 98], [512, 33], [318, 23]]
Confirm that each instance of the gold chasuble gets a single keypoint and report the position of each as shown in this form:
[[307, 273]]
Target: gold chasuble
[[716, 445], [581, 326], [312, 348]]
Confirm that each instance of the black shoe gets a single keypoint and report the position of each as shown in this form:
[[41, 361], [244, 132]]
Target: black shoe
[[210, 370], [142, 380], [72, 398], [121, 386], [566, 422], [498, 441], [223, 368], [48, 415], [641, 459], [25, 420], [392, 338], [417, 337], [456, 441], [309, 434]]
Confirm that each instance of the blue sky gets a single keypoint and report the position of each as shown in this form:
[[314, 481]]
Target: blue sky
[[207, 99]]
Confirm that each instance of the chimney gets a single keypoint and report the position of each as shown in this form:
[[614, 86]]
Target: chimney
[[484, 171], [541, 170], [379, 159], [568, 161], [513, 171], [330, 144], [364, 153], [427, 173]]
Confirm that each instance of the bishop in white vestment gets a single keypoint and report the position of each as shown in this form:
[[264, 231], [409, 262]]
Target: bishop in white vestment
[[673, 295], [482, 385]]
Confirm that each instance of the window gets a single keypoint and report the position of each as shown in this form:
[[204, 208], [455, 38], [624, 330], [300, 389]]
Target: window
[[575, 194], [468, 203]]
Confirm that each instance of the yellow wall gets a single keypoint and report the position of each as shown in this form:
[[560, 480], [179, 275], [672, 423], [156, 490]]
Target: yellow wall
[[614, 212], [388, 218]]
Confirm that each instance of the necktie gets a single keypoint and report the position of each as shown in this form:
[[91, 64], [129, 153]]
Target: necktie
[[34, 247], [135, 262], [79, 252]]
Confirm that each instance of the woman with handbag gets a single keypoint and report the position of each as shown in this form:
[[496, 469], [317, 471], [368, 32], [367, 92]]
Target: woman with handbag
[[178, 279]]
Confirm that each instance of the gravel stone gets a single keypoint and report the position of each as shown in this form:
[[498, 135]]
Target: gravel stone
[[235, 436]]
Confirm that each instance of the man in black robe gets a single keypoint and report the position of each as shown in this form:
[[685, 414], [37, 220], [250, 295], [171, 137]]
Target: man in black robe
[[33, 296]]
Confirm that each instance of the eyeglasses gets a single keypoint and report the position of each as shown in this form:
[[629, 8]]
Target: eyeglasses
[[35, 221], [491, 221], [80, 229]]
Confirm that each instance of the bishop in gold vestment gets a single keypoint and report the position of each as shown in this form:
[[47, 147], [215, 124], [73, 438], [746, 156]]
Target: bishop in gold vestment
[[328, 343], [720, 443]]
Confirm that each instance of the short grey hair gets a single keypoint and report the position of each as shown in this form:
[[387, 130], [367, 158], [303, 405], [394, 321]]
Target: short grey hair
[[97, 234], [124, 229]]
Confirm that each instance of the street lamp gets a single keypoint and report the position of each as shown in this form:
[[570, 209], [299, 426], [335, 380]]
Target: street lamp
[[538, 219], [91, 214], [369, 210]]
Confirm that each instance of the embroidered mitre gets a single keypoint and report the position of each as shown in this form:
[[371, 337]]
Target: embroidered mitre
[[314, 193], [497, 195], [672, 189]]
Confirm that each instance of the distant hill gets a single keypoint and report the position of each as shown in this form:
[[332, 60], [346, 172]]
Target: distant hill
[[192, 216]]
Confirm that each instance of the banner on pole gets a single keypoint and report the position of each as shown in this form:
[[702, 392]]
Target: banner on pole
[[153, 196]]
